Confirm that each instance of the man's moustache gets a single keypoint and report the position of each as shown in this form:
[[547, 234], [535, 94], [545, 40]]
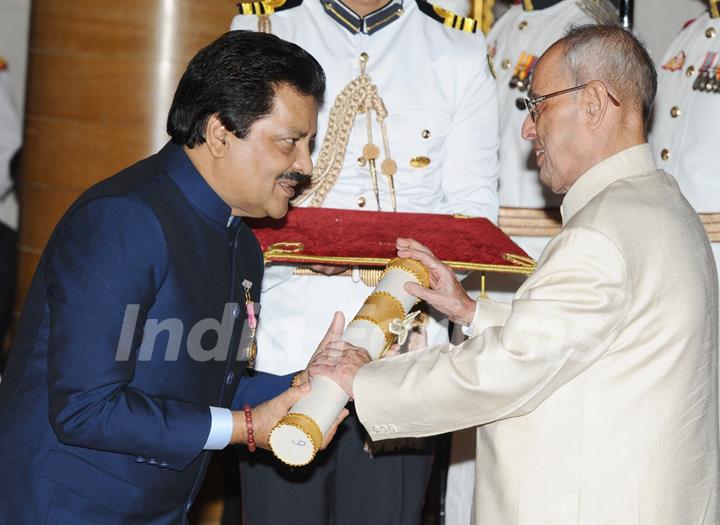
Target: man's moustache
[[296, 176]]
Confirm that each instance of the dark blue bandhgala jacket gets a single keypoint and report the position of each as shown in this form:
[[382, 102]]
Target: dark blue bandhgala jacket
[[95, 428]]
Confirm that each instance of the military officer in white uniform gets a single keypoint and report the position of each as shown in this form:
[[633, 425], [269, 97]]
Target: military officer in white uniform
[[687, 111], [430, 146], [10, 139], [515, 42]]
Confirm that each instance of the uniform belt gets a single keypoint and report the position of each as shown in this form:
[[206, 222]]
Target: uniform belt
[[546, 222], [530, 222], [370, 276], [711, 221]]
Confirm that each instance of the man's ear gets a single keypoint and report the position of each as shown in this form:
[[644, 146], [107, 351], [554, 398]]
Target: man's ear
[[596, 103], [216, 136]]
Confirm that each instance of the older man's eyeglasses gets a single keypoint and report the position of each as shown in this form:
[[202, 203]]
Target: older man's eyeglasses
[[531, 103]]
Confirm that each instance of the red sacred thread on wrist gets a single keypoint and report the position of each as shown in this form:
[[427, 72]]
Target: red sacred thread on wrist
[[248, 424]]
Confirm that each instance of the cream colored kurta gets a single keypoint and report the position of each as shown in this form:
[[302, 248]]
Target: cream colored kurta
[[595, 394]]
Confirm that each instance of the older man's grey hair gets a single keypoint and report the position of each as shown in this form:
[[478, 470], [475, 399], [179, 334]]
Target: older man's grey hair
[[616, 57]]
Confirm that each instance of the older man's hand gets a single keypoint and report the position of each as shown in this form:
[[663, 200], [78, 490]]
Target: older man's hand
[[445, 294], [339, 361]]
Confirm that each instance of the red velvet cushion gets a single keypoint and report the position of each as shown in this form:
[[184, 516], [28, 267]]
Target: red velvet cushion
[[342, 237]]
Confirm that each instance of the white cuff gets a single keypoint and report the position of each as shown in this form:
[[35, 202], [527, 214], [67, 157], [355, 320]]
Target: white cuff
[[221, 427]]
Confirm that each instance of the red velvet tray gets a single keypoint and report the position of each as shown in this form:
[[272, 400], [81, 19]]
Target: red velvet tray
[[367, 238]]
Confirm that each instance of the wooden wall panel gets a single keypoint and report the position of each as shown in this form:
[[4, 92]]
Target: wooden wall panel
[[88, 152], [100, 80]]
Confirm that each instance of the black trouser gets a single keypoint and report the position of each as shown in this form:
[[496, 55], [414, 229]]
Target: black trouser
[[344, 485], [8, 262]]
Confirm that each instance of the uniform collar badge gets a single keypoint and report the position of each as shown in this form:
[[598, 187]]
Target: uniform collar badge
[[368, 24]]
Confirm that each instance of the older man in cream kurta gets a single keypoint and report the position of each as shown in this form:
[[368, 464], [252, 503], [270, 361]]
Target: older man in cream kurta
[[595, 392]]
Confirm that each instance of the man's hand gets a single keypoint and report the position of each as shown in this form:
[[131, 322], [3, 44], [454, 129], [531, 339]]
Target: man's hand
[[266, 415], [327, 269], [334, 333], [445, 294], [339, 361]]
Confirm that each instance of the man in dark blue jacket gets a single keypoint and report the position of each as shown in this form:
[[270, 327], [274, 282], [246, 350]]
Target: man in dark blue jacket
[[129, 361]]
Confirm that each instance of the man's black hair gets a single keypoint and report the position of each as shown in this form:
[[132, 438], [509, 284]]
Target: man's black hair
[[236, 78]]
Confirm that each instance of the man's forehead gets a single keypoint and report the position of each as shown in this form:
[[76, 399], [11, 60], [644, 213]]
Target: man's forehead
[[547, 71]]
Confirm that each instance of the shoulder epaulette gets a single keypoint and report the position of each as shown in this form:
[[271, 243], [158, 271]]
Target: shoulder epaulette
[[448, 18], [266, 7]]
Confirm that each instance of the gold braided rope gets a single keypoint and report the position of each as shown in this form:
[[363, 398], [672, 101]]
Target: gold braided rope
[[359, 96]]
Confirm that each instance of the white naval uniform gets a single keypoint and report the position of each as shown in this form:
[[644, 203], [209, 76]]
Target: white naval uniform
[[441, 101], [517, 31], [10, 139], [685, 133]]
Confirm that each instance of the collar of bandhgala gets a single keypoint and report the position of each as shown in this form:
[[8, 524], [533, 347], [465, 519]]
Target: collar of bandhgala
[[535, 5]]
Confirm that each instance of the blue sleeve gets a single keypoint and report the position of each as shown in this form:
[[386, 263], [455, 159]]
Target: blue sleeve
[[259, 387], [107, 254]]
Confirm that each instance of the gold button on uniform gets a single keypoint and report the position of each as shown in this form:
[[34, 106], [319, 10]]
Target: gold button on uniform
[[522, 25], [363, 57], [425, 134], [711, 32], [690, 71], [675, 112], [419, 162], [506, 64], [361, 202], [665, 154], [361, 162]]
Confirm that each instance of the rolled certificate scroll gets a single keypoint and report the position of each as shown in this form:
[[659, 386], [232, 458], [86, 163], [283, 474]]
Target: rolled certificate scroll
[[381, 321]]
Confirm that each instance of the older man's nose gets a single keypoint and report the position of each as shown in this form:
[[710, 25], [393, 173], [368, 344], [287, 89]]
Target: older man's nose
[[528, 129]]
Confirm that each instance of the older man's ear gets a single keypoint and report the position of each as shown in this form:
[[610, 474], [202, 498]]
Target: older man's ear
[[596, 102]]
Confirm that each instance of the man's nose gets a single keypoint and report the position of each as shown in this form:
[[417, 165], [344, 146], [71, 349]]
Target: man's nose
[[528, 129], [303, 161]]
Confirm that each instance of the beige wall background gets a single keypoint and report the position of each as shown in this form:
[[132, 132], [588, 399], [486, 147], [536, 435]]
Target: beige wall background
[[659, 21]]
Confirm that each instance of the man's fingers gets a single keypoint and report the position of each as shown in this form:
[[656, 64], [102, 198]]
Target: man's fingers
[[425, 294], [292, 394], [411, 244], [414, 288], [335, 330], [331, 433]]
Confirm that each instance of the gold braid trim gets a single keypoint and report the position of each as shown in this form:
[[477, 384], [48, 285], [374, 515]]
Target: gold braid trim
[[391, 297], [359, 96], [413, 267], [389, 338], [369, 276]]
